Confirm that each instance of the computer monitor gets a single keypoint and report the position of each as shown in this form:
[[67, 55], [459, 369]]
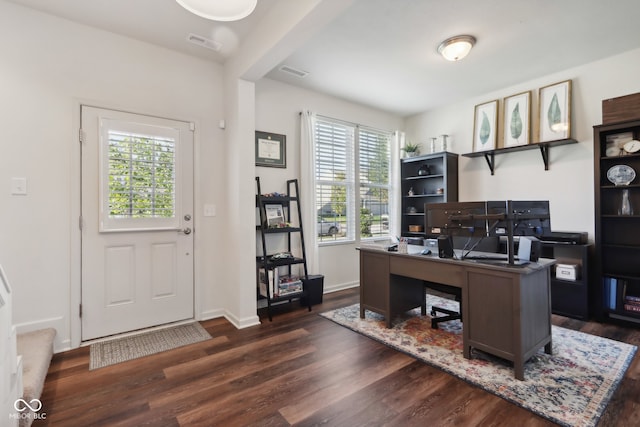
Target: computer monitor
[[529, 217], [455, 219]]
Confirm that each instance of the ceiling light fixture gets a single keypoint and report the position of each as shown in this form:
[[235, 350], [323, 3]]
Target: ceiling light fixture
[[456, 48], [220, 10]]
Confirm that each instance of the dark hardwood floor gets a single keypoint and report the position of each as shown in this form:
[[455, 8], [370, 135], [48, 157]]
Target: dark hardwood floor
[[300, 369]]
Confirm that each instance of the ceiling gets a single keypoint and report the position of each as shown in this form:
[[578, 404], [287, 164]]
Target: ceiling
[[382, 53]]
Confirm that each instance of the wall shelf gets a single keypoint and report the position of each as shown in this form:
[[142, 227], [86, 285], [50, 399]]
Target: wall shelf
[[490, 155]]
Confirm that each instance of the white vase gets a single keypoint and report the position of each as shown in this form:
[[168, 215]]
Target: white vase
[[625, 207]]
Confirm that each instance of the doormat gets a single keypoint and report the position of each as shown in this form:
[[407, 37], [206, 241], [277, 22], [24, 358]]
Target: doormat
[[119, 350], [572, 387]]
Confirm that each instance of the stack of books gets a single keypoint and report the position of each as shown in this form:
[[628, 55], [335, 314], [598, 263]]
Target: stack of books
[[632, 303], [277, 285], [289, 285]]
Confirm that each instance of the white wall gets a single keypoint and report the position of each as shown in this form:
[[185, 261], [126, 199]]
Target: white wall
[[568, 184], [48, 67], [277, 110]]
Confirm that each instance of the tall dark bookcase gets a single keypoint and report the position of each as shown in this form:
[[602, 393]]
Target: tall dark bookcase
[[617, 223], [432, 178]]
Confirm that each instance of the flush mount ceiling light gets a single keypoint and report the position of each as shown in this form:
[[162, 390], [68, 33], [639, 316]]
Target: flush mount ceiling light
[[220, 10], [456, 48]]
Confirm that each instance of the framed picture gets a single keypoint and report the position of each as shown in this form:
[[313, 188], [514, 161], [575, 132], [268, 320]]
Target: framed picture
[[485, 126], [615, 143], [517, 119], [271, 149], [555, 111], [275, 215]]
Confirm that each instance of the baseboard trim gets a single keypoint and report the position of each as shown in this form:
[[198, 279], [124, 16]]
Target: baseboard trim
[[341, 287], [242, 323]]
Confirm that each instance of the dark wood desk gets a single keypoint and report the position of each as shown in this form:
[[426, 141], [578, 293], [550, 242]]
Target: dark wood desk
[[506, 309]]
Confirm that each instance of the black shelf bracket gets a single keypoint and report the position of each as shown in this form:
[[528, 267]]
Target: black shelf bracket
[[544, 151], [490, 157]]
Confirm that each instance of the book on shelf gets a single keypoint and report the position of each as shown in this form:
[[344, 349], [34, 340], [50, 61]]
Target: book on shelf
[[632, 307], [612, 289], [268, 279], [633, 299]]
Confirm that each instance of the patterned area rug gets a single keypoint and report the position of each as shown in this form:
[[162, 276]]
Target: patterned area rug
[[572, 387], [118, 350]]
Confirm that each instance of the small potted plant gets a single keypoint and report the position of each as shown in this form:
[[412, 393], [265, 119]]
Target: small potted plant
[[411, 150]]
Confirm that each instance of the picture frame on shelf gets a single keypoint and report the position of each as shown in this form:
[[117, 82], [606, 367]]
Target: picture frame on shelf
[[615, 143], [274, 214], [517, 119], [271, 149], [485, 126], [554, 111]]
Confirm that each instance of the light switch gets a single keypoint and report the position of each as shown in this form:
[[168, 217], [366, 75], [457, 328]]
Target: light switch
[[19, 186], [209, 210]]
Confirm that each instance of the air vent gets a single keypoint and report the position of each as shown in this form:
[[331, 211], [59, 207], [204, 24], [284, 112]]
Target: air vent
[[204, 42], [294, 71]]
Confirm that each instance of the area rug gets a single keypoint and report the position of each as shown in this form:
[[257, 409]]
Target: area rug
[[119, 350], [571, 387]]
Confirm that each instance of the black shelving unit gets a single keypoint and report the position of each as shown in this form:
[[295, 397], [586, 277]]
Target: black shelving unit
[[288, 226], [570, 297], [617, 238], [432, 178]]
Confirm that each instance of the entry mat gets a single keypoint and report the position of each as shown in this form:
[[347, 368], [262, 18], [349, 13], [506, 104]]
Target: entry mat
[[119, 350], [572, 387]]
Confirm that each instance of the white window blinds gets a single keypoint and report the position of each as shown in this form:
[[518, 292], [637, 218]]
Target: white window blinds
[[352, 170]]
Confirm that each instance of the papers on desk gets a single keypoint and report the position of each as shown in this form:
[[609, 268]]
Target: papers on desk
[[414, 249]]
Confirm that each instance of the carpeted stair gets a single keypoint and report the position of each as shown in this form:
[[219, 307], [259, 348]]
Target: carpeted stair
[[36, 349]]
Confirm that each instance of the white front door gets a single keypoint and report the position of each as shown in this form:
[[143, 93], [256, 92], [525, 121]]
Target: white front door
[[137, 221]]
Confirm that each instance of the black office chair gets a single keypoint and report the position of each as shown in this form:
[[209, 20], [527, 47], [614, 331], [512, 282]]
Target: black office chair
[[450, 314], [488, 244]]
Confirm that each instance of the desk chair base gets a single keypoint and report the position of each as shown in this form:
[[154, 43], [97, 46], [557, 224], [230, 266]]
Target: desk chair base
[[450, 315]]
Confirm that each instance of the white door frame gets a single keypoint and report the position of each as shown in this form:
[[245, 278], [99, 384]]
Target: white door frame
[[75, 322]]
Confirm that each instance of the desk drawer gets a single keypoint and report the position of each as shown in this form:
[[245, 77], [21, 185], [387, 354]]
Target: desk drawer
[[429, 269]]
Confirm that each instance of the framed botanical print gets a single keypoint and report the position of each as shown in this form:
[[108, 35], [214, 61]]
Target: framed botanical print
[[555, 111], [485, 126], [271, 149], [517, 119]]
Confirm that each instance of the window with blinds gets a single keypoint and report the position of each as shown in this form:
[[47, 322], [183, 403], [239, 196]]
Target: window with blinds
[[352, 181], [139, 176]]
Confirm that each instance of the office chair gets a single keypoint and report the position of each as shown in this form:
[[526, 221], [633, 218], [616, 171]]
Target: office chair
[[488, 244]]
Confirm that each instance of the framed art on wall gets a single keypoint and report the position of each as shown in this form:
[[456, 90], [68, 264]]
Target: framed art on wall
[[554, 103], [517, 119], [485, 126], [271, 149]]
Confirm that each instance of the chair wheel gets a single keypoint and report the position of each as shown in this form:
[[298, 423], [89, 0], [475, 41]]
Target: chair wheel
[[433, 313]]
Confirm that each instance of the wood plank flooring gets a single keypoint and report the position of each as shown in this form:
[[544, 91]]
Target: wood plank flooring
[[300, 369]]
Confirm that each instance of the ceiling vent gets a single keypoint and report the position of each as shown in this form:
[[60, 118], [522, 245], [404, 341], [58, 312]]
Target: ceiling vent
[[294, 71], [204, 42]]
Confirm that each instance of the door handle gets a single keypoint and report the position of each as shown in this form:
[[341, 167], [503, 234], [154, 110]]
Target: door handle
[[187, 230]]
